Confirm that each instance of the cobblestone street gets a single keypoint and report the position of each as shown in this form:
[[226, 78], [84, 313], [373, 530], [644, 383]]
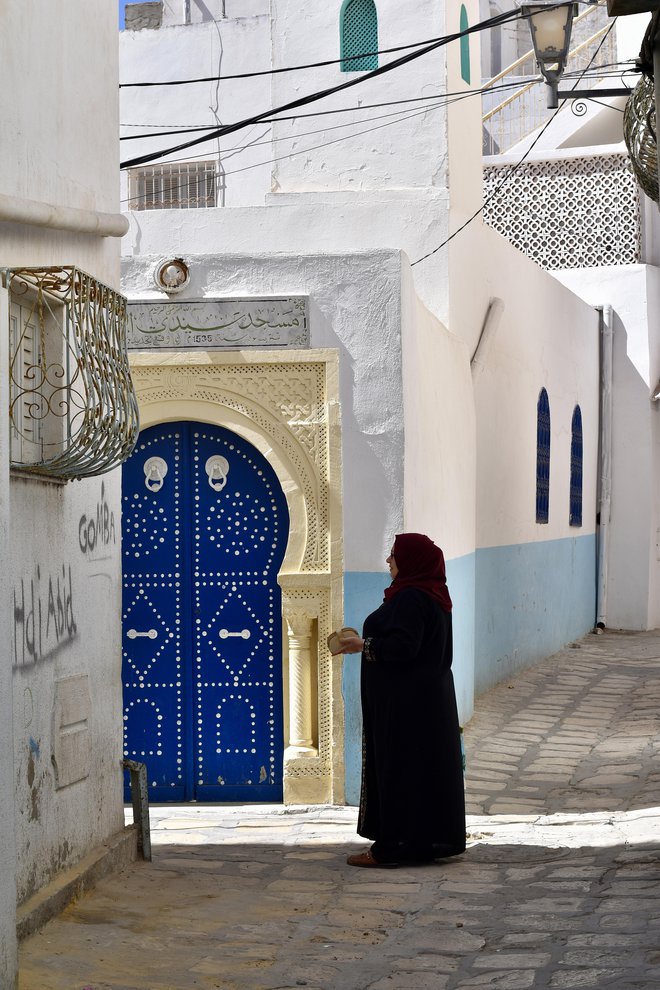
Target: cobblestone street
[[559, 888]]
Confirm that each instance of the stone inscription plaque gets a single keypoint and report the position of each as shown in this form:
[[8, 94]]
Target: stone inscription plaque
[[218, 323]]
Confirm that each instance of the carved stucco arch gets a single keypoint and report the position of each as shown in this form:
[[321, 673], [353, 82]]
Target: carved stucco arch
[[286, 405]]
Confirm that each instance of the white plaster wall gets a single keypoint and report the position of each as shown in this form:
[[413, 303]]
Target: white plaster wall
[[354, 306], [8, 954], [66, 607], [401, 155], [63, 122], [634, 569], [201, 49], [440, 467], [546, 337], [201, 11], [327, 187], [62, 142], [440, 464], [332, 224]]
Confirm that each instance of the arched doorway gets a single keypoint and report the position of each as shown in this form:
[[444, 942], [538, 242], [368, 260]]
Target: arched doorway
[[204, 527]]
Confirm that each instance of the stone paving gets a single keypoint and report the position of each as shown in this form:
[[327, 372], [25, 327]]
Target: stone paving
[[559, 888]]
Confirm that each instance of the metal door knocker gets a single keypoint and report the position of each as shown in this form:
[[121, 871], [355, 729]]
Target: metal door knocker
[[155, 470], [217, 468]]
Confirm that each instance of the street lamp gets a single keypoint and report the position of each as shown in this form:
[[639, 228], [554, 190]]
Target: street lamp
[[550, 25]]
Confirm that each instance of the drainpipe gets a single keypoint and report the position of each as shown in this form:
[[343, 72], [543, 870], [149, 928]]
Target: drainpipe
[[605, 461]]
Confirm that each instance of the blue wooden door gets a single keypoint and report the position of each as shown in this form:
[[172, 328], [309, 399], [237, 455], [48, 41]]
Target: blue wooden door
[[204, 531]]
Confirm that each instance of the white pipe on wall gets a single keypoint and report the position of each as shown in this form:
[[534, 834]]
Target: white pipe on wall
[[605, 459], [13, 209]]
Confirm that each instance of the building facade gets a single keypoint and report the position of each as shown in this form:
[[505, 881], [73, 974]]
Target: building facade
[[68, 412], [435, 354]]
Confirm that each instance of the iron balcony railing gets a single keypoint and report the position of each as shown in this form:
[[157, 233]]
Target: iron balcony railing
[[72, 406]]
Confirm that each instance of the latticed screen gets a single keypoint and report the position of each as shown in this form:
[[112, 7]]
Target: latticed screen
[[591, 203], [359, 35], [542, 458], [184, 186], [575, 517]]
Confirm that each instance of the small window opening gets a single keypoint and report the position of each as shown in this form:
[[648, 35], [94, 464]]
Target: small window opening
[[542, 458], [359, 35], [575, 509]]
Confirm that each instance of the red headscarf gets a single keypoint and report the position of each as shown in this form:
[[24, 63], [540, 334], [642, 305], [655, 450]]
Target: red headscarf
[[420, 565]]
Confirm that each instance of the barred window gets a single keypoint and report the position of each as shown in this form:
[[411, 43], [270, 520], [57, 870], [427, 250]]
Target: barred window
[[542, 457], [575, 506], [359, 35], [180, 186]]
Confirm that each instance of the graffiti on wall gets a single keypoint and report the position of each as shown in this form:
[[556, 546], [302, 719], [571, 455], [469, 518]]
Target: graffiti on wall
[[96, 529], [44, 615]]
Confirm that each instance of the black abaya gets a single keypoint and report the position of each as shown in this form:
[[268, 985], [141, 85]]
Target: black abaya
[[412, 773]]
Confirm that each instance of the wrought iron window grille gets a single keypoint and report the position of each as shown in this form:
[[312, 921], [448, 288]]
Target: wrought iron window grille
[[72, 407], [180, 186]]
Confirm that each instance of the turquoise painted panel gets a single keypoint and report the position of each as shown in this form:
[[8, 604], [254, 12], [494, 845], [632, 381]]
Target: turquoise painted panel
[[358, 33], [531, 599], [363, 592], [465, 46]]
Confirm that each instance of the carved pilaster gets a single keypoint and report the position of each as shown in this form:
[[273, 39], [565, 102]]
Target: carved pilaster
[[299, 629]]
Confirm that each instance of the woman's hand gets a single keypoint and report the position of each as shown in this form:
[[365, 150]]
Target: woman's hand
[[351, 644]]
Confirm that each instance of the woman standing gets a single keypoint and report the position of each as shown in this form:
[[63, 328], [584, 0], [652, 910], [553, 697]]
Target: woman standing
[[412, 802]]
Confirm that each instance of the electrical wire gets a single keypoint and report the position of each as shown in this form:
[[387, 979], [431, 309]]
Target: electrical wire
[[400, 115], [321, 113], [514, 168], [403, 116], [319, 95], [510, 15], [301, 134], [594, 73], [308, 65]]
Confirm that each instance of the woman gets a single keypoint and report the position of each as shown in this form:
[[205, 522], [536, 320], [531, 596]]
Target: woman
[[412, 802]]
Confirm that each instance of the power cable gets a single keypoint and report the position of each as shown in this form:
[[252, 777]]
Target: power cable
[[401, 115], [296, 68], [182, 129], [308, 65], [319, 95], [326, 144]]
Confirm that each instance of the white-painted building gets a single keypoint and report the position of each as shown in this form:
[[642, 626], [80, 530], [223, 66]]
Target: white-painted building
[[576, 181], [422, 385], [67, 411]]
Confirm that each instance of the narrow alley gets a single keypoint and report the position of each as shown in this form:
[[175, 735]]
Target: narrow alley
[[559, 888]]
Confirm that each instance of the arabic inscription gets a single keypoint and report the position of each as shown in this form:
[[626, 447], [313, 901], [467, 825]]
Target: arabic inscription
[[218, 323]]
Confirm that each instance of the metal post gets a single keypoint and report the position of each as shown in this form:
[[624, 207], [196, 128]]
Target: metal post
[[140, 799]]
